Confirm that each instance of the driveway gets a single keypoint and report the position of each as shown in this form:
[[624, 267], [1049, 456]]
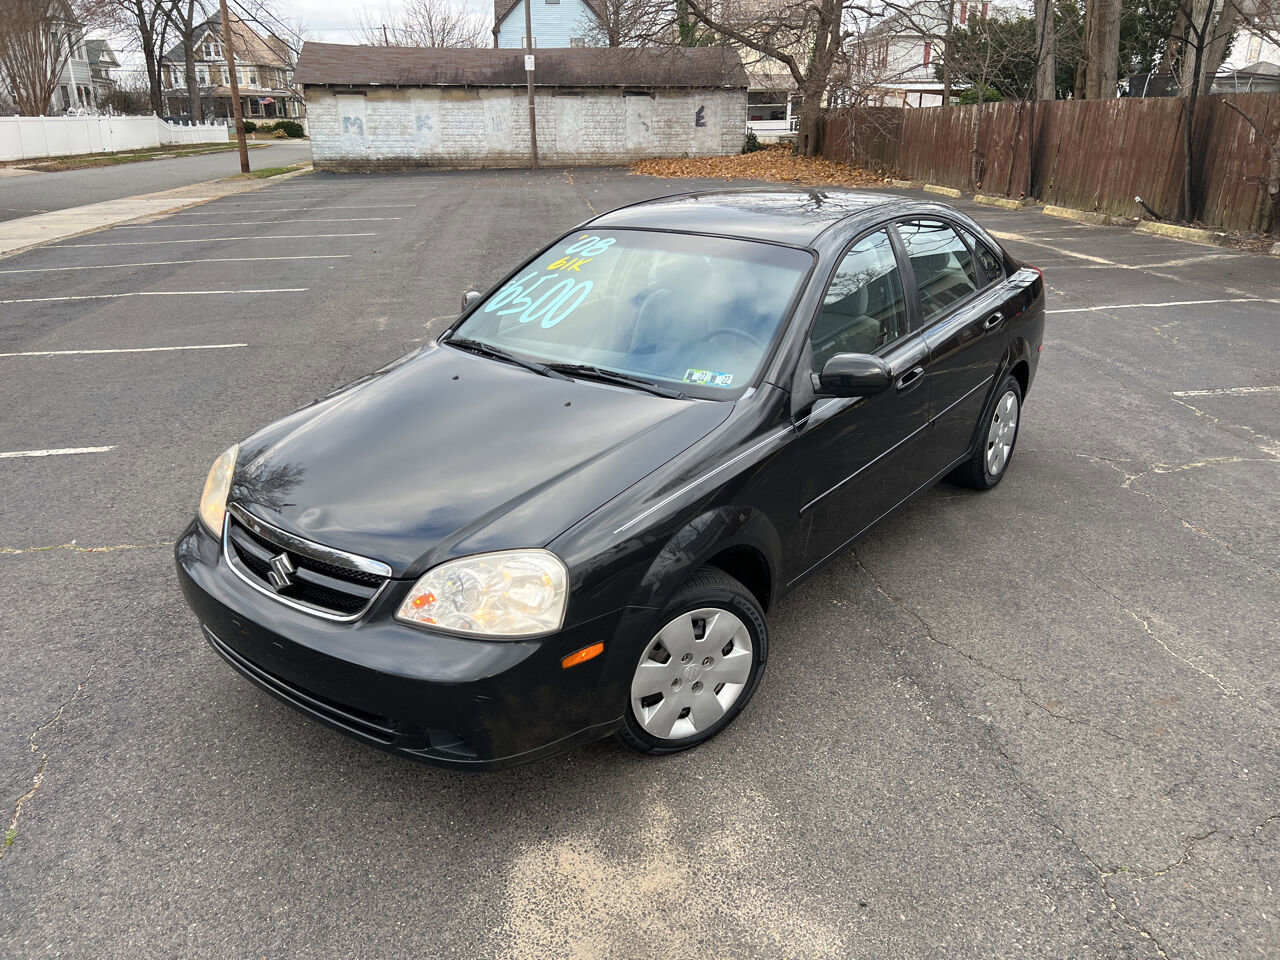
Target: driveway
[[1040, 721], [40, 193]]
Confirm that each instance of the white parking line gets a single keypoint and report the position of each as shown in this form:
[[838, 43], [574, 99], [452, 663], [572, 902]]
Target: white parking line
[[68, 353], [58, 452], [1225, 391], [152, 293], [1170, 303], [166, 263], [258, 209], [254, 223], [138, 243]]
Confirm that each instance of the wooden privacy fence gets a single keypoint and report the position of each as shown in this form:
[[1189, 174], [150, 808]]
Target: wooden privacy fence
[[1087, 154]]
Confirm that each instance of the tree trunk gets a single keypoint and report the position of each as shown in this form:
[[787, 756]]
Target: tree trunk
[[193, 85], [1046, 63], [946, 54], [807, 135], [1103, 34]]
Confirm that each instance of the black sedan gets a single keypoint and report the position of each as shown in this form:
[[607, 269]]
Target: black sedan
[[568, 516]]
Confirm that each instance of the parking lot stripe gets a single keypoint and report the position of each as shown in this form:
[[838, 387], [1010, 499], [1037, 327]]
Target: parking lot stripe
[[68, 353], [1170, 303], [138, 243], [58, 452], [258, 209], [254, 223], [166, 263], [153, 293], [1225, 391]]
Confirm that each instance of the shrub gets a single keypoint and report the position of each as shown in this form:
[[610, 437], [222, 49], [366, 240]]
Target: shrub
[[752, 143], [291, 128], [250, 127]]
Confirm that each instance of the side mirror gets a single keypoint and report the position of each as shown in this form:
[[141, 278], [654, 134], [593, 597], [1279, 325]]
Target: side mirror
[[853, 375], [468, 298]]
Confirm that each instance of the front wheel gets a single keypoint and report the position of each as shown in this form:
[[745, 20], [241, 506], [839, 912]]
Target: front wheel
[[991, 456], [699, 670]]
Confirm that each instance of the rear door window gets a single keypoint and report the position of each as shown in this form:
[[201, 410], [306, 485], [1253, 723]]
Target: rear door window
[[989, 264], [943, 266]]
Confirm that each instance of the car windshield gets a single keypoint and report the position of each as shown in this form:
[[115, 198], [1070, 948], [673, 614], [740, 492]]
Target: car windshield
[[692, 313]]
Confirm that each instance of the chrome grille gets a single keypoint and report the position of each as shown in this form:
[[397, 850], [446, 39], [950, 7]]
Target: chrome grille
[[309, 576]]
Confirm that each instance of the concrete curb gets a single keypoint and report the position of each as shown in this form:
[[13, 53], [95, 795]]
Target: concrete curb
[[1086, 216], [945, 191], [28, 232], [905, 184], [1174, 232], [1004, 203]]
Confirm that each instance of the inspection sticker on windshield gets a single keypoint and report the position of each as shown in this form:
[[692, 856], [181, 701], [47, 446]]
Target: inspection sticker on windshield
[[708, 377]]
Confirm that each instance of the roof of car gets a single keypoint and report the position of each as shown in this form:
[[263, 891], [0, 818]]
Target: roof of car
[[794, 215]]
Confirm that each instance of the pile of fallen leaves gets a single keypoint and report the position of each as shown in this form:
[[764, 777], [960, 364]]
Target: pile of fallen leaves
[[776, 163]]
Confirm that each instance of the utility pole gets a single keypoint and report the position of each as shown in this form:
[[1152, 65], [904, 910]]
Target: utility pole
[[528, 73], [946, 53], [235, 87]]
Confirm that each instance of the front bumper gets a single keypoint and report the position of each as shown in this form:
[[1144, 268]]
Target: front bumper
[[458, 702]]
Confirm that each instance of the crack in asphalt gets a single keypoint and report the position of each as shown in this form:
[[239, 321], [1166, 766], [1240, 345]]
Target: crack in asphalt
[[931, 633], [1146, 625], [1036, 803], [1162, 468], [38, 778], [72, 546]]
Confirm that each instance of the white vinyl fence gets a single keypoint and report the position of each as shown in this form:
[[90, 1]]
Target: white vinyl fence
[[29, 138]]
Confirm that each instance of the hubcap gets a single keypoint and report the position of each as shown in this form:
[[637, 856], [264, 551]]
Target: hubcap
[[691, 673], [1000, 435]]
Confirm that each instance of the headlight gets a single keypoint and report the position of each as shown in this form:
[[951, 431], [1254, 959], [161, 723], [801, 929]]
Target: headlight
[[512, 593], [213, 502]]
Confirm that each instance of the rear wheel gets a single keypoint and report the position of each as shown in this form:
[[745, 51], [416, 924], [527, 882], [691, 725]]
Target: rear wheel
[[699, 670], [991, 457]]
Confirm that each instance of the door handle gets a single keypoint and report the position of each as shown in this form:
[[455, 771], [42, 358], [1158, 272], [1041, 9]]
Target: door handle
[[909, 379], [993, 321]]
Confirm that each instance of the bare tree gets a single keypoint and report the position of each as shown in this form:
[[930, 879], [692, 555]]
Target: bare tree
[[1201, 32], [423, 23], [1261, 18], [1102, 48], [633, 23], [145, 23], [805, 36], [1046, 62], [185, 17], [36, 41]]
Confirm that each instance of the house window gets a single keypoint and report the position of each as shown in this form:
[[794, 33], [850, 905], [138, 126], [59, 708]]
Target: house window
[[211, 50], [928, 52], [577, 41], [202, 75], [1255, 48], [526, 42], [553, 1]]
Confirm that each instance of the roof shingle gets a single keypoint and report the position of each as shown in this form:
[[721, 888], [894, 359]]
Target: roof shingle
[[336, 64]]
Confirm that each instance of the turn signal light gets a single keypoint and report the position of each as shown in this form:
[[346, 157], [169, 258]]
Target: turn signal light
[[582, 656]]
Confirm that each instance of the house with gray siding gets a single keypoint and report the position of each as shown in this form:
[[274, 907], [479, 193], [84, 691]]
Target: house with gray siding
[[556, 23], [390, 108]]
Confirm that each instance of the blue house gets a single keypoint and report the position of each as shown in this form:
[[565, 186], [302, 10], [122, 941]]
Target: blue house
[[556, 23]]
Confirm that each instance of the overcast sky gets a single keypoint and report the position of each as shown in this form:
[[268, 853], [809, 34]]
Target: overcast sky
[[332, 21]]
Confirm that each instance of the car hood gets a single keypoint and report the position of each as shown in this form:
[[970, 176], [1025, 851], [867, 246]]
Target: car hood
[[447, 454]]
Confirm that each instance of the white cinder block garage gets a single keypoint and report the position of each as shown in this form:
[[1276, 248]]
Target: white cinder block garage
[[378, 108]]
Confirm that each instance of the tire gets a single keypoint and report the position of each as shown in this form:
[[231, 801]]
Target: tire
[[715, 642], [994, 451]]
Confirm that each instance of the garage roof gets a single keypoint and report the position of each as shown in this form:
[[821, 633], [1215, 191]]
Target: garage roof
[[337, 64]]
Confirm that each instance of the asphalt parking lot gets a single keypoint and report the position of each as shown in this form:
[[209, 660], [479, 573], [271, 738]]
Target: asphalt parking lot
[[1041, 721]]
